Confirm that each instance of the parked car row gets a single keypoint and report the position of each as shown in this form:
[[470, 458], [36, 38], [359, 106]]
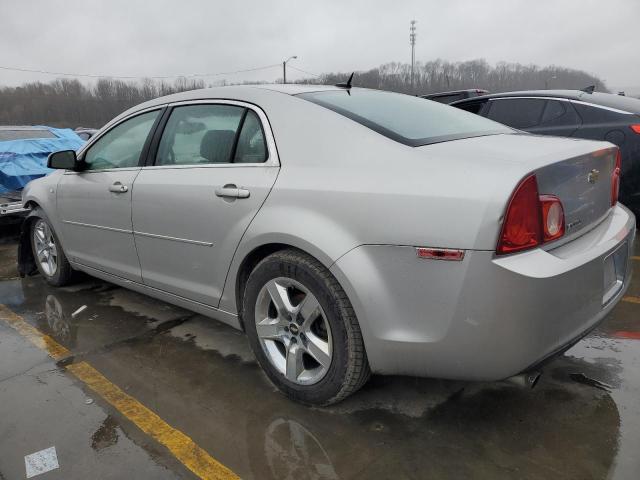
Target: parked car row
[[573, 113], [345, 230]]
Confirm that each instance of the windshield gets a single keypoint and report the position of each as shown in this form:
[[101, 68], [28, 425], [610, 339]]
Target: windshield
[[413, 121]]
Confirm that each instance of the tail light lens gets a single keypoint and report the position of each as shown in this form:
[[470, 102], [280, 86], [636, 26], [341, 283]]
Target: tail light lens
[[531, 219], [615, 179], [522, 228], [635, 128], [552, 217]]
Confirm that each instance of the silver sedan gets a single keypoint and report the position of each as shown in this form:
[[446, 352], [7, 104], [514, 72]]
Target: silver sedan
[[346, 231]]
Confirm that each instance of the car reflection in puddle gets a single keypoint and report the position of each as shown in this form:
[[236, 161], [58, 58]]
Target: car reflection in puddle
[[291, 451]]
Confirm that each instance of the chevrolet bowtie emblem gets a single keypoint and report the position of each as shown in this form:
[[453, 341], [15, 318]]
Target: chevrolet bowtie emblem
[[593, 176]]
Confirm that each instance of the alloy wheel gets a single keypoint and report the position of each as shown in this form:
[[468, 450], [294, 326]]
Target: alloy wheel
[[293, 331], [46, 248]]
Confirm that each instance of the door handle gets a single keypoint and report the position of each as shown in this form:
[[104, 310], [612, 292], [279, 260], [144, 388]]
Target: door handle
[[231, 191], [118, 187]]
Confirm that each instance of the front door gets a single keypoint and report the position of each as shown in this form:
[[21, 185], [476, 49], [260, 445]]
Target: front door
[[95, 204], [213, 169]]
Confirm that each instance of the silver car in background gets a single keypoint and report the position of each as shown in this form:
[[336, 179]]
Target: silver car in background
[[345, 230]]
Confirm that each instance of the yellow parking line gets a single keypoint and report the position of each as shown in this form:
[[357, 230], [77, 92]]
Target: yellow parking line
[[631, 299], [180, 445]]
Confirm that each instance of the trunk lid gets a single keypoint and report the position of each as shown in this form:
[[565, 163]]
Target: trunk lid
[[495, 164], [583, 185]]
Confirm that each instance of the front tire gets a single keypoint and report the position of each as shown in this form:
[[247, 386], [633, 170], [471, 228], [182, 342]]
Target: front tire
[[48, 255], [303, 329]]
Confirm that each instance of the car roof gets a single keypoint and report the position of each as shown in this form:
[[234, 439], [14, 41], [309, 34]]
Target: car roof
[[610, 100], [239, 91], [260, 94]]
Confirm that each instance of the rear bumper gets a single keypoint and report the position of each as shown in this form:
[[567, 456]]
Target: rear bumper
[[484, 318]]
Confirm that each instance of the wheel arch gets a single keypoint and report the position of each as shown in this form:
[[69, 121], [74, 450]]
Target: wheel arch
[[246, 261], [26, 261]]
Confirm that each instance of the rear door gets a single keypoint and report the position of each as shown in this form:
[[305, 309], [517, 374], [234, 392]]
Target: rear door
[[95, 204], [213, 166]]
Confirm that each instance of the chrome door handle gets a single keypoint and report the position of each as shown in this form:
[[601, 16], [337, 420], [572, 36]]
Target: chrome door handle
[[117, 187], [231, 191]]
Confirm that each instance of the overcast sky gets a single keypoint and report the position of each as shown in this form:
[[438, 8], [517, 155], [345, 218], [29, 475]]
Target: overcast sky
[[160, 37]]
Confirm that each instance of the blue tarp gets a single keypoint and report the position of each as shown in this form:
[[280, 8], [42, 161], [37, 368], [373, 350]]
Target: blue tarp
[[24, 160]]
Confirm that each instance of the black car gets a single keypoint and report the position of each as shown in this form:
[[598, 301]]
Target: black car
[[573, 113], [448, 97]]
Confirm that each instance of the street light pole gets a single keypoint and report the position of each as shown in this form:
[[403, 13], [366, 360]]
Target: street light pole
[[284, 68]]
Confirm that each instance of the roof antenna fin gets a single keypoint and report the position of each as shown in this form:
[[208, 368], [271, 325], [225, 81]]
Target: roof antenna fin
[[346, 85], [589, 89]]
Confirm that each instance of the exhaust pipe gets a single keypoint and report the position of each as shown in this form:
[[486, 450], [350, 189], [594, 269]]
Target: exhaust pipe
[[527, 379]]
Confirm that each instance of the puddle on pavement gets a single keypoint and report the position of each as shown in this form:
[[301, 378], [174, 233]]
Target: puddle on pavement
[[106, 435], [87, 315]]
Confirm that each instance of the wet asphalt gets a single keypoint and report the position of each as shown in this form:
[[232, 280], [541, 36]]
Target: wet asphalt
[[582, 421]]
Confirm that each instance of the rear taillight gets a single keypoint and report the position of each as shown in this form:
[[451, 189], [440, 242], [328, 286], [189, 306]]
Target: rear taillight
[[552, 217], [531, 219], [635, 128], [615, 179], [521, 229]]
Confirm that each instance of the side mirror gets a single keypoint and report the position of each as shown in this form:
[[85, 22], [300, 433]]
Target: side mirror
[[64, 160]]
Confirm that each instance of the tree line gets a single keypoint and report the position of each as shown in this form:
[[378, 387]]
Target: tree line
[[441, 75], [71, 103]]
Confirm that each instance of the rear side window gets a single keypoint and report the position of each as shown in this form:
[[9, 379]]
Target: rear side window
[[199, 134], [404, 118], [209, 134], [252, 147], [517, 112]]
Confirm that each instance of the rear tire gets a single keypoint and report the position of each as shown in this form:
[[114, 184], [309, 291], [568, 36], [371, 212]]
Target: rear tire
[[47, 251], [307, 340]]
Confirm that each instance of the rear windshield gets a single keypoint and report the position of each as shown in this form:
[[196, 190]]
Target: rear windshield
[[29, 134], [413, 121]]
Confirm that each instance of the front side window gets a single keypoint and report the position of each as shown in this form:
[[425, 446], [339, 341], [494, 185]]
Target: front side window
[[121, 146], [517, 112], [404, 118], [210, 134]]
